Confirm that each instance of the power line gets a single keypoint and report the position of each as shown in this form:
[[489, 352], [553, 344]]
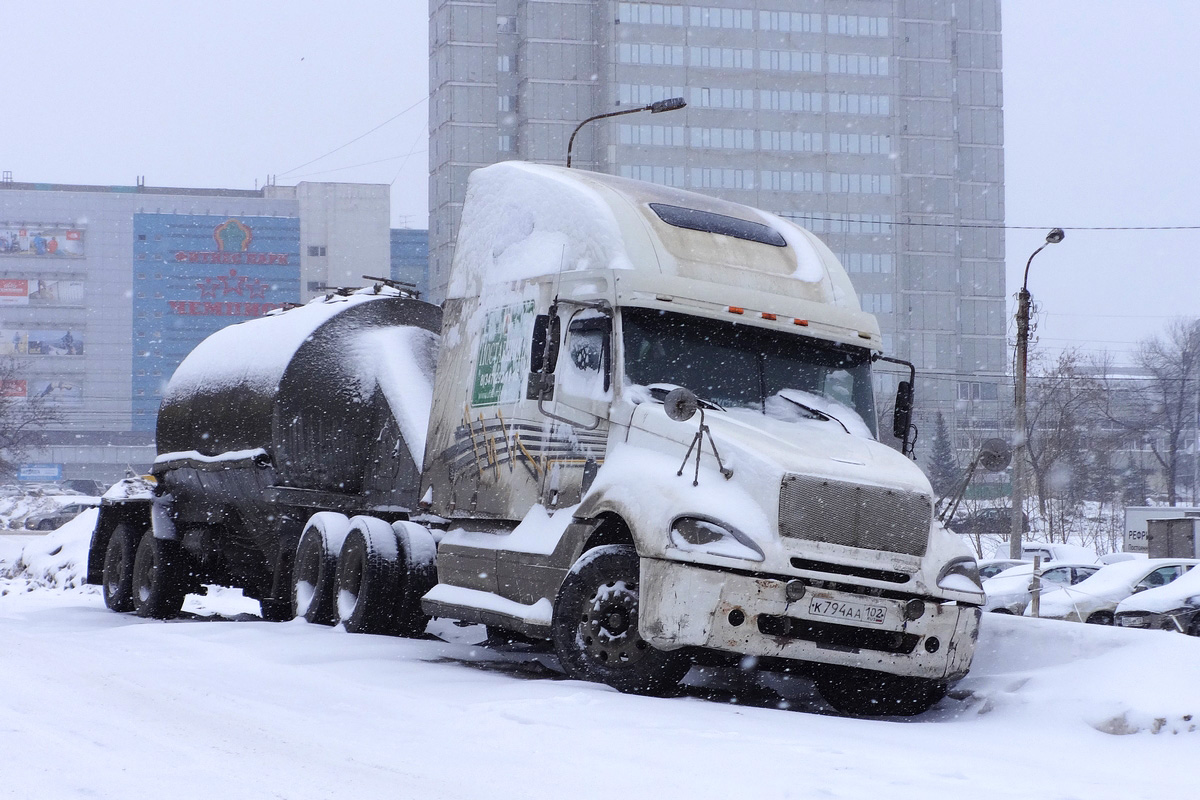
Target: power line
[[798, 215], [363, 164], [356, 138]]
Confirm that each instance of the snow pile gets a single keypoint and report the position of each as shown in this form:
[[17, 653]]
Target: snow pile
[[57, 560], [1115, 680]]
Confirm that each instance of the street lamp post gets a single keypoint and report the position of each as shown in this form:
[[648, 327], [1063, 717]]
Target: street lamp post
[[657, 107], [1024, 299]]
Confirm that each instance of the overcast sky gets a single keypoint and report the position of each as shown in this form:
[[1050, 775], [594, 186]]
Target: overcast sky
[[1102, 109]]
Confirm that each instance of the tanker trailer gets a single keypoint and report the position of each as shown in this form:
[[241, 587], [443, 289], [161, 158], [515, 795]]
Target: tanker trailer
[[299, 419]]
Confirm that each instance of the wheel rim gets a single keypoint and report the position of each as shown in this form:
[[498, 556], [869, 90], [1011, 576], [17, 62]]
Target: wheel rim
[[608, 630], [145, 578]]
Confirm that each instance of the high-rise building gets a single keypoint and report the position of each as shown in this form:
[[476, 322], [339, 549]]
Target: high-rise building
[[877, 124]]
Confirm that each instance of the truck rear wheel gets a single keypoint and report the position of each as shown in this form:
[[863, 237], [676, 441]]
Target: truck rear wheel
[[159, 578], [117, 581], [315, 570], [865, 693], [418, 557], [368, 578], [595, 626]]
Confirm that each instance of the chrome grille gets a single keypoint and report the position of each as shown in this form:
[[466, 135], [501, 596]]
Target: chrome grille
[[854, 515]]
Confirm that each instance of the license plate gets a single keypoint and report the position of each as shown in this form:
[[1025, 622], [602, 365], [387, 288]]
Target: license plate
[[850, 612]]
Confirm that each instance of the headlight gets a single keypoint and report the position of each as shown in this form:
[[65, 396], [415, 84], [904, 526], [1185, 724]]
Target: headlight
[[697, 534], [961, 575]]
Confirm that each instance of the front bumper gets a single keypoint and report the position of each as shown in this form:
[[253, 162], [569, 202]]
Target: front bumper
[[1177, 620], [683, 605]]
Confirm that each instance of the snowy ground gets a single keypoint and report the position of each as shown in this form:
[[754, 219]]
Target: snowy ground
[[95, 704]]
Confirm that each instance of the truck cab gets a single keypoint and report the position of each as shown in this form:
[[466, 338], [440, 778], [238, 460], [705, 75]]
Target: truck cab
[[654, 438]]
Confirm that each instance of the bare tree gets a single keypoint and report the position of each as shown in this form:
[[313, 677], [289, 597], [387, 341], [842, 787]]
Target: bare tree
[[23, 419], [1162, 402]]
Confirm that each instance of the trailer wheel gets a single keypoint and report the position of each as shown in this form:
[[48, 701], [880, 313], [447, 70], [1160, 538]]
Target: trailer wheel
[[865, 693], [368, 578], [158, 578], [595, 626], [117, 581], [418, 555], [315, 570]]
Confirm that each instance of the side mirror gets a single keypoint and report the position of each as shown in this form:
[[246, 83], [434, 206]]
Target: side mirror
[[902, 419], [680, 404], [543, 355]]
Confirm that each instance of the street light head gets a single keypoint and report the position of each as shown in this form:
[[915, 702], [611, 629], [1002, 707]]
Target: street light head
[[1055, 236], [670, 104]]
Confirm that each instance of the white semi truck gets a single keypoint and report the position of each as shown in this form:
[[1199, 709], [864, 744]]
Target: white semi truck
[[652, 441]]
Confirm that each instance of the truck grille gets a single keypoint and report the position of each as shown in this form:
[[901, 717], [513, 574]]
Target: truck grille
[[854, 515]]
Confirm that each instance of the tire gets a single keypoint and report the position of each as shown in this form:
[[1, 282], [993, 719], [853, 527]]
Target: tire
[[418, 555], [275, 610], [368, 578], [864, 693], [314, 572], [1002, 611], [159, 578], [594, 626], [1101, 618], [117, 582]]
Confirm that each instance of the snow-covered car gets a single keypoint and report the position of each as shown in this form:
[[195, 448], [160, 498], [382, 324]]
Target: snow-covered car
[[1174, 607], [1095, 599], [55, 518], [1011, 590], [1116, 558], [991, 567], [1057, 551]]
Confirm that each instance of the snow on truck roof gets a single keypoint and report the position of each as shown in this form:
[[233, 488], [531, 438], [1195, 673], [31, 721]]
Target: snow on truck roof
[[523, 220]]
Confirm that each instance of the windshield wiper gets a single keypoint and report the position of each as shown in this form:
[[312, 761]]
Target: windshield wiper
[[659, 392], [816, 413]]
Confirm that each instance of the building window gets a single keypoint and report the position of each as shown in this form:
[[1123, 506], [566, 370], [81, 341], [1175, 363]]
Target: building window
[[793, 21], [876, 303], [316, 249], [859, 143], [849, 25], [705, 178], [506, 102], [791, 141], [726, 138], [642, 95], [975, 390], [712, 17], [853, 183], [722, 57], [665, 176], [722, 98], [859, 104], [788, 181], [847, 64], [868, 262], [649, 14], [790, 60], [771, 100], [504, 144], [504, 63], [654, 135], [506, 24], [659, 54]]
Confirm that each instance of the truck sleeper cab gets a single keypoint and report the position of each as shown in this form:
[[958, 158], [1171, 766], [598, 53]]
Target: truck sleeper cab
[[583, 508]]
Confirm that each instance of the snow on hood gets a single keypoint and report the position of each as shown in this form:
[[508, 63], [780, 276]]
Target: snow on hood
[[521, 220], [1166, 598]]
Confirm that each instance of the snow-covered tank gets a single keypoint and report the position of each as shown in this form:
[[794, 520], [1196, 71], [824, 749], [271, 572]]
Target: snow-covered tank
[[264, 423]]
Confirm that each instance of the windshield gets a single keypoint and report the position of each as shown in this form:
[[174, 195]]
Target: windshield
[[785, 376]]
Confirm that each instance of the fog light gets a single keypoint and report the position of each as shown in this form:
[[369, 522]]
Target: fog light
[[794, 590], [737, 617], [932, 644], [914, 609]]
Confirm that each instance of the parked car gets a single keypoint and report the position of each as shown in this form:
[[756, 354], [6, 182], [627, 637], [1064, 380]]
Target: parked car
[[85, 486], [1011, 591], [986, 520], [991, 567], [1056, 551], [1174, 607], [57, 517], [1095, 599]]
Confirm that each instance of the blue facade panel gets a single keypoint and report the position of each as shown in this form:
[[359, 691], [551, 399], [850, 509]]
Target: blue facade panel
[[195, 274], [410, 258]]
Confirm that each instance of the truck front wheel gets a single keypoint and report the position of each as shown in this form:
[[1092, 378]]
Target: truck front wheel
[[595, 626], [117, 581]]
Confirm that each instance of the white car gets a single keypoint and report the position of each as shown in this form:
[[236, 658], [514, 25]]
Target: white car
[[1053, 551], [1095, 599], [1010, 591], [1174, 607], [991, 567]]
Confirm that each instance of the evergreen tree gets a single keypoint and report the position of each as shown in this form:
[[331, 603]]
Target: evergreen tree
[[944, 472]]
